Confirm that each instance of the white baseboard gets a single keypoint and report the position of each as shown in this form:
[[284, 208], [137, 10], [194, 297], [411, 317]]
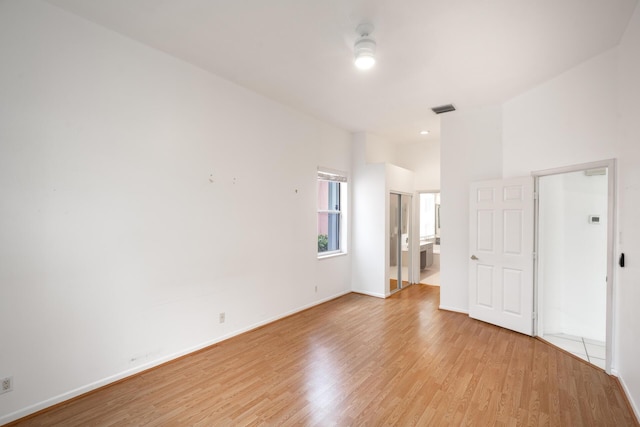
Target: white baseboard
[[371, 294], [627, 393], [455, 309], [5, 419]]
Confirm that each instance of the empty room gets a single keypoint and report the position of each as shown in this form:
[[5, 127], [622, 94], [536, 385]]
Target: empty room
[[319, 212]]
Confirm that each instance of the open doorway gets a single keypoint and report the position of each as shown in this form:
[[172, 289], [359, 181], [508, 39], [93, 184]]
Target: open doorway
[[574, 259], [429, 219]]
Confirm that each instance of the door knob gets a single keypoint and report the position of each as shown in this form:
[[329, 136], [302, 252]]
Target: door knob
[[473, 257]]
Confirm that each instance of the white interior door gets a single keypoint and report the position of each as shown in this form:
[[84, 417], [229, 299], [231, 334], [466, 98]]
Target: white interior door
[[501, 253]]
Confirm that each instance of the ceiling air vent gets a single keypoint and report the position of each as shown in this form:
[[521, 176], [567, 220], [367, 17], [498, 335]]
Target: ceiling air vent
[[443, 109]]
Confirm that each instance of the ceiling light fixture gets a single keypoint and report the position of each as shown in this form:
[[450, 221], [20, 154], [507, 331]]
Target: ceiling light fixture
[[424, 132], [365, 47]]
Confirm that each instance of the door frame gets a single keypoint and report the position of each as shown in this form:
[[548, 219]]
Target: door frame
[[610, 164]]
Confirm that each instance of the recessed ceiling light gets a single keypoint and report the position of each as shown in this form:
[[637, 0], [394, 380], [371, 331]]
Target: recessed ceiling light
[[424, 132]]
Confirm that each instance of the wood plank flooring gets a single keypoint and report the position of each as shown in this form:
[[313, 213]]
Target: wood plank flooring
[[359, 360]]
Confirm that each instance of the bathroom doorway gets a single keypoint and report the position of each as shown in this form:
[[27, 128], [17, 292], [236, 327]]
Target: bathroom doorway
[[399, 241], [575, 260], [429, 219]]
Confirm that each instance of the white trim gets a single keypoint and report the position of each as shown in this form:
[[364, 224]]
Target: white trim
[[610, 164], [368, 293], [575, 168], [453, 309], [402, 193], [343, 244], [5, 419], [628, 394], [537, 313], [327, 174], [332, 254]]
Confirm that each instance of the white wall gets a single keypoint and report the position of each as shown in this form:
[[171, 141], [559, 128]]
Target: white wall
[[369, 222], [141, 197], [628, 289], [568, 120], [372, 183], [540, 129], [573, 119], [471, 150], [378, 150], [572, 255], [423, 158]]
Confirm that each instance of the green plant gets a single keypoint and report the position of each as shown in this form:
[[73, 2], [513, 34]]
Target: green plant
[[323, 242]]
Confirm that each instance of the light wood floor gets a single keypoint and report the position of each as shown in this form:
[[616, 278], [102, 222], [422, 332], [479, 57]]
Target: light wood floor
[[359, 360]]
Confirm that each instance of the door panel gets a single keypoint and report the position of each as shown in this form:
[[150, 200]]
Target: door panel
[[512, 232], [513, 193], [484, 286], [501, 253], [485, 231], [485, 194], [512, 280]]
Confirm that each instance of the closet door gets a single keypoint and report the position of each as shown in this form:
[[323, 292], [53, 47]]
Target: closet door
[[395, 253], [399, 240]]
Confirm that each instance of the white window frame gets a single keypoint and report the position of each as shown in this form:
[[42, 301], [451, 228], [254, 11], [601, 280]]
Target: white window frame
[[340, 177]]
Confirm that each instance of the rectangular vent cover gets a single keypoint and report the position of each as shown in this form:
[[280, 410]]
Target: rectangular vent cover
[[595, 172], [443, 109]]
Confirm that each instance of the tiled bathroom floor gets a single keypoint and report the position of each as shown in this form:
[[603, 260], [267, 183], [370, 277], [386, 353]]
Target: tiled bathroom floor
[[430, 276], [590, 350]]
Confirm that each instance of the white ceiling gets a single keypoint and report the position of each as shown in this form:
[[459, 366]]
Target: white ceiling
[[430, 52]]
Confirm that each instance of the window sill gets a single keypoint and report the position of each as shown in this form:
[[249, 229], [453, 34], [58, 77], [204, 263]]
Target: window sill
[[332, 255]]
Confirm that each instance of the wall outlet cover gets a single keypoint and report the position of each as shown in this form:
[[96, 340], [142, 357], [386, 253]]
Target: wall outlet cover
[[6, 385]]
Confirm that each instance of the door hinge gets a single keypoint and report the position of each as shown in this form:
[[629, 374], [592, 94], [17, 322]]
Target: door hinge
[[534, 315], [535, 256], [535, 195]]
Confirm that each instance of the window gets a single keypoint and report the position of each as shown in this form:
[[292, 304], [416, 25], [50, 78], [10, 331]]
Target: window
[[331, 200]]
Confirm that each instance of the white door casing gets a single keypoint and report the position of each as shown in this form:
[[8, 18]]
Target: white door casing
[[501, 253]]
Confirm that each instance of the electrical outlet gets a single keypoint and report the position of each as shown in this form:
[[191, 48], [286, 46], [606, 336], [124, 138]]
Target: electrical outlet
[[222, 317], [6, 385]]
